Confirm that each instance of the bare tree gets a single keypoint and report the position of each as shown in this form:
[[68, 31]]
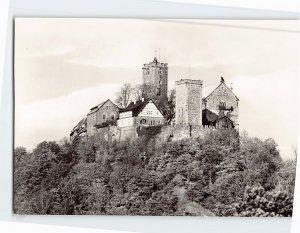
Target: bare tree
[[124, 95], [141, 91], [170, 111]]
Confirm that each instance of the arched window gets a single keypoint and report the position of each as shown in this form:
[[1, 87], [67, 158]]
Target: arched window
[[143, 121]]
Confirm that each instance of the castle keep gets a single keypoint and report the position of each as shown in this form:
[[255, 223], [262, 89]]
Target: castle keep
[[193, 113], [155, 78], [188, 102]]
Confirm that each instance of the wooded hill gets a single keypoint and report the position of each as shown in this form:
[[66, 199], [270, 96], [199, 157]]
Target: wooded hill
[[221, 175]]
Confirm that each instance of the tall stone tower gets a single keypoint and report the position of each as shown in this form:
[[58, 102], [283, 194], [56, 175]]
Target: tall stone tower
[[188, 102], [155, 77]]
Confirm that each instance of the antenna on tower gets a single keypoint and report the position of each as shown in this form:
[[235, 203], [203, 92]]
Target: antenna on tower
[[155, 51], [159, 54]]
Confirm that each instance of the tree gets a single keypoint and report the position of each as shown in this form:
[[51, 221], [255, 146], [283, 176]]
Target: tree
[[140, 92], [146, 176], [124, 95], [170, 110]]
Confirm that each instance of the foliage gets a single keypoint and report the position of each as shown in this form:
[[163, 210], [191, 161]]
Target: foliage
[[169, 112], [222, 174], [123, 96], [258, 202], [106, 123]]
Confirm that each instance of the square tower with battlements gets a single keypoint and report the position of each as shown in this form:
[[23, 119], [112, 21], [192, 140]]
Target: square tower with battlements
[[188, 102], [155, 78]]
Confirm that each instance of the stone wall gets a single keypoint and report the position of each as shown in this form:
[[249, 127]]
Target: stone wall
[[109, 133], [168, 132], [178, 132]]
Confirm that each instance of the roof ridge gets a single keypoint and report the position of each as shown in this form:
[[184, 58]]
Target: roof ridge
[[222, 82]]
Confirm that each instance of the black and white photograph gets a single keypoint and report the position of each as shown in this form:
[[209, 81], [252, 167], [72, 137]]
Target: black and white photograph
[[155, 117]]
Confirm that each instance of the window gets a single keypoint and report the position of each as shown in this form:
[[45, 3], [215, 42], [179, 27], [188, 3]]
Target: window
[[222, 105], [149, 112], [152, 122], [108, 107], [143, 121], [104, 117], [112, 117], [147, 72]]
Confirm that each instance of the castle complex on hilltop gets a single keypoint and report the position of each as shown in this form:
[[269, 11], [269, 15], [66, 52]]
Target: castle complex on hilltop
[[218, 110]]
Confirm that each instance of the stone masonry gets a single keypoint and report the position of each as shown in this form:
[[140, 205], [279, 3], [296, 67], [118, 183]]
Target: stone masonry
[[188, 102], [155, 76]]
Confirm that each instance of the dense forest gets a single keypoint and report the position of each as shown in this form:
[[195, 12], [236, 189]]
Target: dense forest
[[221, 175]]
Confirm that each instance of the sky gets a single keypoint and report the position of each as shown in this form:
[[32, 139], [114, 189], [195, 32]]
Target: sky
[[65, 66]]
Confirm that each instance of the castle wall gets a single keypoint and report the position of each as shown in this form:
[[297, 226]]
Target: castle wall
[[168, 132], [127, 132], [109, 133], [178, 132]]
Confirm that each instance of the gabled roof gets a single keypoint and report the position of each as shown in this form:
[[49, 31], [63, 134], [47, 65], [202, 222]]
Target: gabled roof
[[97, 107], [221, 83], [137, 107], [155, 60]]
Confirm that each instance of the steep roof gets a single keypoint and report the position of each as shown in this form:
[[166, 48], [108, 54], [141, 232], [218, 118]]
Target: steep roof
[[137, 107], [97, 107], [222, 82]]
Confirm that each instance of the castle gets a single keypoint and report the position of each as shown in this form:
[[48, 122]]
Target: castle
[[217, 110]]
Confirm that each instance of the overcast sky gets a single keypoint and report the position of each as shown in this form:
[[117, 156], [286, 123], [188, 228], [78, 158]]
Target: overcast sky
[[63, 67]]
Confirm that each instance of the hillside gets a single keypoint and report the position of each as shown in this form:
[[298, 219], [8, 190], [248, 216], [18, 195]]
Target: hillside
[[220, 175]]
